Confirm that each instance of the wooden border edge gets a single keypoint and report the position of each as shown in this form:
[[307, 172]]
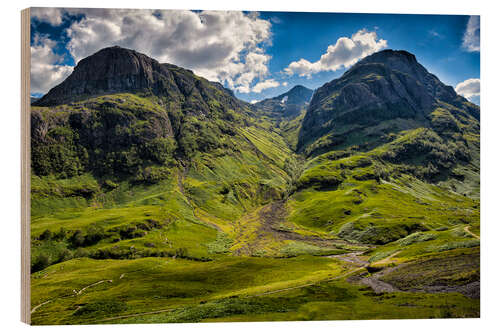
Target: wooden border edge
[[25, 166]]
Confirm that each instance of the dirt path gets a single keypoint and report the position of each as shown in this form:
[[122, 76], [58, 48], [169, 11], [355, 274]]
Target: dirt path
[[377, 285], [350, 258], [75, 293], [266, 224], [40, 305], [466, 229], [257, 295], [91, 285]]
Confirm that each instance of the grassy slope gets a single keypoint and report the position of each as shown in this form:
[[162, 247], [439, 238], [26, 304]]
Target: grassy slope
[[216, 207], [230, 289]]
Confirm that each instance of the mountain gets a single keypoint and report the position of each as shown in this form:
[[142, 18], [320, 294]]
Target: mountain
[[125, 116], [141, 168], [381, 142], [116, 69], [384, 86], [287, 105]]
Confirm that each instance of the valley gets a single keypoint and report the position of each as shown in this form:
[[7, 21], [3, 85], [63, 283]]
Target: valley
[[158, 196]]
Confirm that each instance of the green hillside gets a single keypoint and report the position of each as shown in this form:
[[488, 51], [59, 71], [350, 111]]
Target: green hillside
[[173, 201]]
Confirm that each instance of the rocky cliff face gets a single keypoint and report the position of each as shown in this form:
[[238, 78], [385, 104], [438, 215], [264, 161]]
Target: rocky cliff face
[[384, 86], [286, 105], [121, 112], [117, 70]]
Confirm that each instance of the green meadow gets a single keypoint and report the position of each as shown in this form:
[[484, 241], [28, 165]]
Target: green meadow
[[188, 205], [236, 237]]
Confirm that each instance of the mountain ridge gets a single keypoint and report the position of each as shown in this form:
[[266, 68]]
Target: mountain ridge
[[118, 70], [211, 199], [385, 85]]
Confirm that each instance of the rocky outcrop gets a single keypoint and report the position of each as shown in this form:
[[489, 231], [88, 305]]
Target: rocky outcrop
[[116, 70], [122, 113], [383, 86]]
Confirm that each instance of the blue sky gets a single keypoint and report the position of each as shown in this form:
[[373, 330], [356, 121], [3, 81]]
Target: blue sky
[[258, 55]]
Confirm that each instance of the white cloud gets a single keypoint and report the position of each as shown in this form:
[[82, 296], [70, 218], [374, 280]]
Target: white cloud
[[46, 71], [52, 16], [285, 84], [469, 88], [221, 46], [345, 53], [262, 85], [471, 39]]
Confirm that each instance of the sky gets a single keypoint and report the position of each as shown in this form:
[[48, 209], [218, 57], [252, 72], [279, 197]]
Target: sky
[[256, 54]]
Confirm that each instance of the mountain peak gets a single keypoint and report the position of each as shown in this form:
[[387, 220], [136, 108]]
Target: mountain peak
[[384, 86], [110, 70], [298, 87], [288, 104], [396, 60], [388, 55], [297, 95]]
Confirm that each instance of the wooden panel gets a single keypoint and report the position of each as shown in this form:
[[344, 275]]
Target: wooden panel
[[25, 165]]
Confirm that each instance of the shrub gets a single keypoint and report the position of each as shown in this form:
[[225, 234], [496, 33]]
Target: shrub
[[93, 235], [160, 149], [181, 252], [153, 174], [46, 235], [39, 263], [77, 239]]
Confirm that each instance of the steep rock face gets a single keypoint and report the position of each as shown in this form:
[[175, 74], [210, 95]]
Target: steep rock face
[[113, 134], [286, 105], [116, 70], [121, 112], [110, 70], [384, 86]]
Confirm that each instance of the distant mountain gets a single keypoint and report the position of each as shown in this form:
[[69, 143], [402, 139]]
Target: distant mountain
[[382, 87], [287, 105]]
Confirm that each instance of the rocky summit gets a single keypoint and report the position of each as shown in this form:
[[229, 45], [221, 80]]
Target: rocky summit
[[116, 69], [287, 105], [384, 86]]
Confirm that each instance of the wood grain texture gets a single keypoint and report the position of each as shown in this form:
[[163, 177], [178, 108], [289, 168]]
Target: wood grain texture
[[25, 165]]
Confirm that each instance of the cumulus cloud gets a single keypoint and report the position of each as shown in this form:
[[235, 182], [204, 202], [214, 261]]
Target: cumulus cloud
[[262, 85], [344, 53], [471, 39], [469, 88], [221, 46], [46, 70], [52, 16]]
